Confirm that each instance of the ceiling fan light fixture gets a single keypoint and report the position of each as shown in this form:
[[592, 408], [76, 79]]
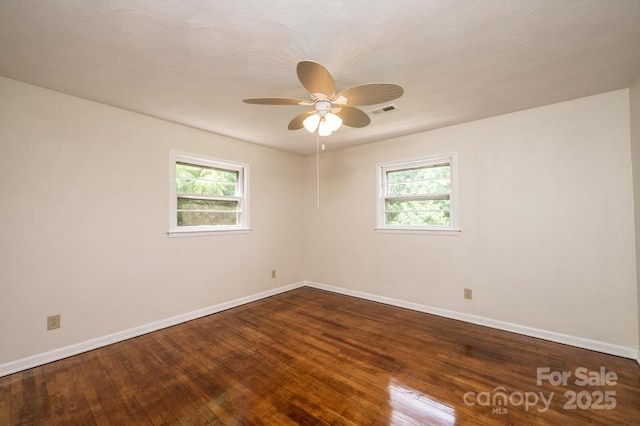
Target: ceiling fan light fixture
[[324, 129], [311, 122], [333, 121]]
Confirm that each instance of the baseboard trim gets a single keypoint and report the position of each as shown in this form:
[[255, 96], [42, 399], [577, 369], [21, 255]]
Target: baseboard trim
[[580, 342], [58, 354]]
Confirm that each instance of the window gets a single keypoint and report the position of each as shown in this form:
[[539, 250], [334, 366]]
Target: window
[[207, 194], [418, 195]]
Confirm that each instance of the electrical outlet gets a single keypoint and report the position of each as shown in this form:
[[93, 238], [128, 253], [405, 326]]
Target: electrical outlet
[[467, 293], [273, 273], [53, 322]]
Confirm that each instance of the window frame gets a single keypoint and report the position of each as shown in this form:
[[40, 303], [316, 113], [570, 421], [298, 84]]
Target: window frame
[[382, 168], [206, 161]]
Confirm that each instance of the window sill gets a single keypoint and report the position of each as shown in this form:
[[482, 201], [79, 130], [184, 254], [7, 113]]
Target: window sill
[[187, 234], [417, 231]]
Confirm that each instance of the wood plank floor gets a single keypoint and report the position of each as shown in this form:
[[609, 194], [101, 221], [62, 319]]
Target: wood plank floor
[[314, 357]]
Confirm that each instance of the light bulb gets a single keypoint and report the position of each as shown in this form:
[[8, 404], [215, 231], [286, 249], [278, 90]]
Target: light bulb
[[333, 121], [311, 122], [324, 129]]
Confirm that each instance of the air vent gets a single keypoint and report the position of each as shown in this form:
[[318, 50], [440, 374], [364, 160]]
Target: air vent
[[388, 108]]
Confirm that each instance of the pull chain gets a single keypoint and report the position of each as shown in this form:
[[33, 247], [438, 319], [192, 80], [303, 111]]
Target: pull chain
[[317, 171]]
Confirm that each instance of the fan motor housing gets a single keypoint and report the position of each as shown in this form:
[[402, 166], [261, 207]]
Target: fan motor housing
[[322, 107]]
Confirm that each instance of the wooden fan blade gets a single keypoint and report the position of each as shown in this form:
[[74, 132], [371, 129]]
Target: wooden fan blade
[[353, 117], [296, 123], [316, 79], [370, 94], [276, 101]]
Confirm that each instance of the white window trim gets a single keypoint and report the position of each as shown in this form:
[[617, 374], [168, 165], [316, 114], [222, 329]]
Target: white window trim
[[382, 168], [198, 231]]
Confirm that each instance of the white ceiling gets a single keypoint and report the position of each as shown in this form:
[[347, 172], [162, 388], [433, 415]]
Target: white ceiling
[[193, 61]]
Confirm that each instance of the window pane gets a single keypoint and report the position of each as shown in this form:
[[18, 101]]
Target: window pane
[[424, 205], [418, 218], [438, 186], [418, 194], [421, 173], [188, 186], [191, 179], [194, 212], [197, 218], [216, 205], [208, 194]]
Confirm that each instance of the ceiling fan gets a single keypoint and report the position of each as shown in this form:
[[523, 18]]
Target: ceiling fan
[[331, 110]]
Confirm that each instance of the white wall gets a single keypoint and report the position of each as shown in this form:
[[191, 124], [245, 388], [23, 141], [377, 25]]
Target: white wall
[[546, 212], [84, 215], [635, 157]]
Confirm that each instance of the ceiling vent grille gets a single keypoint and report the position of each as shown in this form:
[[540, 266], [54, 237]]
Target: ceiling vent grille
[[387, 108]]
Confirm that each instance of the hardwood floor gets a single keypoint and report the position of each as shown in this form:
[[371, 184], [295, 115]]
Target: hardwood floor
[[314, 357]]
